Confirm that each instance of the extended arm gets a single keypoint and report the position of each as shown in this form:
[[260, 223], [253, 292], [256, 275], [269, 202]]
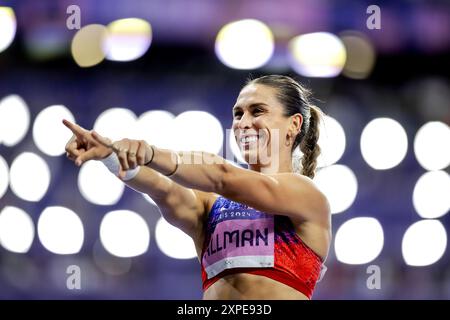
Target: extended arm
[[182, 207]]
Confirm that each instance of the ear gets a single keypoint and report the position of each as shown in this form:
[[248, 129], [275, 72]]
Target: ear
[[296, 124]]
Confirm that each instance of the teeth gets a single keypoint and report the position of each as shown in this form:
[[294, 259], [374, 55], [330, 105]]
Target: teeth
[[248, 139]]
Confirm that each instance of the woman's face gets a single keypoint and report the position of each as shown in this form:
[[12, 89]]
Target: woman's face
[[259, 126]]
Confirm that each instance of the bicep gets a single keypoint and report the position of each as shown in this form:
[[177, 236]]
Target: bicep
[[184, 208], [286, 194], [180, 206]]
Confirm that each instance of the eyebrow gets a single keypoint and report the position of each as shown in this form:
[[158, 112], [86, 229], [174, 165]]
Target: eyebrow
[[252, 106]]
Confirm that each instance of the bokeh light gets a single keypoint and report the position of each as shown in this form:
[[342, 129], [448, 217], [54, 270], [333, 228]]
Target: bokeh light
[[431, 196], [60, 230], [361, 55], [16, 230], [4, 176], [98, 185], [117, 124], [331, 141], [432, 145], [124, 233], [339, 184], [156, 127], [86, 46], [359, 240], [384, 143], [244, 44], [49, 134], [318, 54], [44, 42], [424, 243], [29, 177], [8, 25], [198, 131], [173, 242], [127, 39], [14, 120]]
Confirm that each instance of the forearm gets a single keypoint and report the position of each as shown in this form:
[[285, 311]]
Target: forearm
[[199, 170], [180, 206], [150, 182]]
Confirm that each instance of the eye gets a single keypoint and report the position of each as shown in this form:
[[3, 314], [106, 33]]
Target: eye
[[257, 111], [238, 114]]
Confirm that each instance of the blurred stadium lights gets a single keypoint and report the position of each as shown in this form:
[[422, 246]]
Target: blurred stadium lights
[[431, 195], [156, 127], [124, 233], [29, 177], [87, 50], [245, 44], [197, 131], [361, 54], [384, 143], [122, 40], [173, 242], [319, 54], [8, 27], [97, 185], [339, 184], [359, 240], [48, 133], [14, 120], [431, 145], [60, 230], [331, 141], [46, 41], [16, 230], [4, 176], [424, 243], [127, 39], [116, 124]]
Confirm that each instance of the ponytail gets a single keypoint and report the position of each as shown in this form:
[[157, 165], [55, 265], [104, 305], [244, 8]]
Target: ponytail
[[309, 146]]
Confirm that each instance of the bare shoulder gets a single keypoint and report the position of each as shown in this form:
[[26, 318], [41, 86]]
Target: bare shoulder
[[305, 189], [315, 229]]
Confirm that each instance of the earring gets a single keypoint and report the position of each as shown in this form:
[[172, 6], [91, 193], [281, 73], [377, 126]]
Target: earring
[[287, 143]]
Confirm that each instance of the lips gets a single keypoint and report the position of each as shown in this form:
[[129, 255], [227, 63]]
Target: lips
[[248, 140]]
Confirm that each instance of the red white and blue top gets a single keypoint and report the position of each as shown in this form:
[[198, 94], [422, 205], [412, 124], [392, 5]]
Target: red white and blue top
[[240, 239]]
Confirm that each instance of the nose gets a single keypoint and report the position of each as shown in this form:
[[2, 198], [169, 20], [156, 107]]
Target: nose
[[246, 121]]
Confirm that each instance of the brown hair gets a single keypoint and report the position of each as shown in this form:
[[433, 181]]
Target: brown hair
[[296, 99]]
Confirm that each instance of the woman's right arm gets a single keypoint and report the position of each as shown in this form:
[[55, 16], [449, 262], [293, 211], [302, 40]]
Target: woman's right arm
[[182, 207]]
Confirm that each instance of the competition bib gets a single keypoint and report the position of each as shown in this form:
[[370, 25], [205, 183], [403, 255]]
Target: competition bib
[[242, 238]]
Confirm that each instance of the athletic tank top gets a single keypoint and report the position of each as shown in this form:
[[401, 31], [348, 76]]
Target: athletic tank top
[[240, 239]]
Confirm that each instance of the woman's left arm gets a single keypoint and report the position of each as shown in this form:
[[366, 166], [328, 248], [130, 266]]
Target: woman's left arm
[[288, 194]]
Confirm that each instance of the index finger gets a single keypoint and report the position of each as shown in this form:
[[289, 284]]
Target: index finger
[[76, 129]]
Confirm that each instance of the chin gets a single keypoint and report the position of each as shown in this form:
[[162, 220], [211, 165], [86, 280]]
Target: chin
[[250, 155]]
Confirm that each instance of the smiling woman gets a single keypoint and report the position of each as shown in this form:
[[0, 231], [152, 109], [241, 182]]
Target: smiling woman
[[260, 233]]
